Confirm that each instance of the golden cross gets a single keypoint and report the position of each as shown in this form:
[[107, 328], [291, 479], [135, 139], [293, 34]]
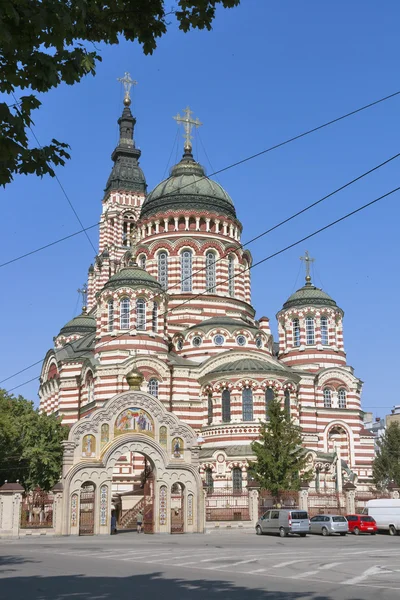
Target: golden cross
[[307, 261], [188, 123], [127, 82], [83, 292]]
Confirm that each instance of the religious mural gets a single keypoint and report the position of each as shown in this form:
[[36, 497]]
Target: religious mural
[[163, 436], [105, 434], [89, 446], [134, 419], [177, 447]]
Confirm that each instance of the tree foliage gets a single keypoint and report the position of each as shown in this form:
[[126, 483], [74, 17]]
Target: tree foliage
[[386, 467], [280, 457], [46, 42], [30, 444]]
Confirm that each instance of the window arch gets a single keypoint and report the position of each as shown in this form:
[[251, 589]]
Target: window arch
[[231, 276], [310, 331], [152, 387], [186, 270], [128, 229], [327, 398], [142, 261], [210, 272], [296, 332], [90, 387], [237, 479], [162, 260], [125, 310], [269, 396], [287, 403], [342, 398], [324, 331], [110, 315], [209, 481], [154, 318], [209, 409], [247, 404], [226, 406], [140, 314]]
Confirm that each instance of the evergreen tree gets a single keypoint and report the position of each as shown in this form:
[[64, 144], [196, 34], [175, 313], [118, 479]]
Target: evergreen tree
[[30, 444], [386, 467], [281, 459]]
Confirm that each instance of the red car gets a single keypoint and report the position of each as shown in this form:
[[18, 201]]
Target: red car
[[361, 524]]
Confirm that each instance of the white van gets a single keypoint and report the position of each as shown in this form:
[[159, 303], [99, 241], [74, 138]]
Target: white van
[[386, 514]]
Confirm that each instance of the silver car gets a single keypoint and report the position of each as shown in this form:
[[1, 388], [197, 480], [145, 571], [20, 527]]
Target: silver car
[[329, 524], [283, 521]]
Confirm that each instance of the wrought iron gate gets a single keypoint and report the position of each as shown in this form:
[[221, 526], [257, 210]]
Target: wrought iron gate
[[148, 505], [86, 511]]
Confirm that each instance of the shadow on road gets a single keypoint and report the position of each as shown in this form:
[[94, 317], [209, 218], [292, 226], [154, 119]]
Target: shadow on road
[[138, 587]]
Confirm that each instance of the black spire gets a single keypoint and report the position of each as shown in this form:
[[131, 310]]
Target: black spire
[[126, 175]]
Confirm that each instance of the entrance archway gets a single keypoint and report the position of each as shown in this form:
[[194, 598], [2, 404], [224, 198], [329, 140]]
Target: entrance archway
[[86, 508], [177, 508]]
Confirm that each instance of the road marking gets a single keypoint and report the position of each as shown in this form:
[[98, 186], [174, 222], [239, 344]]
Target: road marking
[[321, 568], [287, 563], [375, 570], [255, 571], [329, 566], [240, 562]]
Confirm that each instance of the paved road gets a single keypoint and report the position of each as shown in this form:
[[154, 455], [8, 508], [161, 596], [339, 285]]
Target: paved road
[[220, 565]]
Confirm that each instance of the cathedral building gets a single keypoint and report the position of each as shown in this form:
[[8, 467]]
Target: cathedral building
[[169, 296]]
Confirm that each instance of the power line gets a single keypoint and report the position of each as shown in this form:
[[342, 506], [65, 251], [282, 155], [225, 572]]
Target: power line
[[248, 158], [239, 246], [267, 258]]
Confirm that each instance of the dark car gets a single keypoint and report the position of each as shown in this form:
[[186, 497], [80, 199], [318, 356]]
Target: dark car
[[361, 524]]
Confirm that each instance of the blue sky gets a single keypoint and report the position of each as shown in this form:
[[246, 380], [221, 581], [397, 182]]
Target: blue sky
[[267, 71]]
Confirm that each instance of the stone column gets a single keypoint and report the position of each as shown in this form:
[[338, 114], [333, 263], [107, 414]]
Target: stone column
[[58, 511], [303, 496], [253, 502], [10, 508], [68, 456], [350, 493], [339, 469]]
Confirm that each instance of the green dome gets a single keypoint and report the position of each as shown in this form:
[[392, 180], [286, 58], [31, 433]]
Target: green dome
[[188, 188], [309, 295], [132, 276], [83, 323]]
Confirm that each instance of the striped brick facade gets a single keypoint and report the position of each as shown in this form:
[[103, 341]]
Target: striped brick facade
[[205, 344]]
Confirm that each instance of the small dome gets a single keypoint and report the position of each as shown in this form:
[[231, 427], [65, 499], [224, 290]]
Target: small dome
[[83, 323], [132, 276], [226, 322], [188, 188], [309, 295]]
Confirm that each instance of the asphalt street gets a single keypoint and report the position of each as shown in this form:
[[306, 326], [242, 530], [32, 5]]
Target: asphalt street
[[225, 565]]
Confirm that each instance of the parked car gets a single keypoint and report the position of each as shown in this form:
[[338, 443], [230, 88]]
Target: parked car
[[386, 514], [329, 524], [284, 521], [361, 524]]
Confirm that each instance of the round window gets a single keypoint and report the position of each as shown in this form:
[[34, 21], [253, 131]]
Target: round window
[[241, 340], [219, 340], [259, 343], [196, 341], [179, 344]]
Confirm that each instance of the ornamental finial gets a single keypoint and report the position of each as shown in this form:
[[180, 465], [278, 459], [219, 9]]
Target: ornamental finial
[[307, 261], [188, 123], [127, 82]]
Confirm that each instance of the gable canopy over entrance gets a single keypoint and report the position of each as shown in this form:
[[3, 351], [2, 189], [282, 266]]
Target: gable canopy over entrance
[[133, 421]]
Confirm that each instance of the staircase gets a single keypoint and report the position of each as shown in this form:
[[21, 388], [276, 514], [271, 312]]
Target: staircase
[[128, 519]]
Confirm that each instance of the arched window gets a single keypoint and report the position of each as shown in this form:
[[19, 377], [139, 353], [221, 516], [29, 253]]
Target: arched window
[[209, 409], [154, 318], [124, 310], [163, 270], [327, 398], [237, 479], [186, 271], [324, 331], [269, 396], [209, 481], [140, 314], [152, 387], [142, 261], [90, 387], [210, 272], [342, 398], [287, 403], [231, 276], [110, 315], [296, 332], [310, 331], [128, 229], [247, 404], [226, 406]]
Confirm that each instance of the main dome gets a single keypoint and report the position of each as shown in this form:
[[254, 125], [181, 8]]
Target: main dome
[[188, 188]]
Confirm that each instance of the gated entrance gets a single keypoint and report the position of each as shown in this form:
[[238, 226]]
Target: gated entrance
[[86, 511], [227, 505], [148, 506], [177, 508]]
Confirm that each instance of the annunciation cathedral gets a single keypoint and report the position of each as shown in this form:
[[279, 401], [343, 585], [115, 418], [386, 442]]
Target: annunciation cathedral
[[169, 298]]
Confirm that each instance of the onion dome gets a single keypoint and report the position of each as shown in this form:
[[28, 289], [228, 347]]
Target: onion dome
[[81, 324], [188, 188], [132, 276], [309, 295]]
